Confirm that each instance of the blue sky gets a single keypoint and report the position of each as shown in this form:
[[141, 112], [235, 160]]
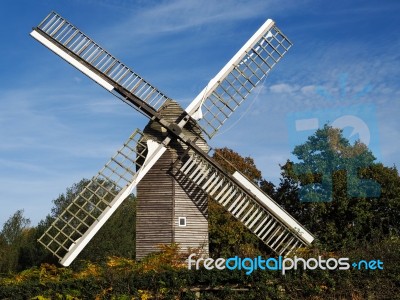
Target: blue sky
[[57, 126]]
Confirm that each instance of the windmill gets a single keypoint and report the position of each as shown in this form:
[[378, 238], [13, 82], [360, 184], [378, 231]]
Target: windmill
[[168, 162]]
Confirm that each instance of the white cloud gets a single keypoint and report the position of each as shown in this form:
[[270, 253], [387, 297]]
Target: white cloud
[[283, 88], [308, 90], [169, 17], [178, 15]]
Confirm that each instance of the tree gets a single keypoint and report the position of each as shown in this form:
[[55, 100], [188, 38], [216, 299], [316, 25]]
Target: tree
[[228, 236], [231, 161], [12, 238], [386, 207], [63, 200], [334, 189], [115, 238], [325, 159], [31, 253], [14, 226]]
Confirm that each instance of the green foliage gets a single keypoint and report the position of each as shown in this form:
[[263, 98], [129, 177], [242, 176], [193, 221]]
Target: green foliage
[[13, 236], [63, 200], [328, 166], [227, 236], [116, 237], [122, 278], [20, 250], [386, 208], [14, 227], [231, 161], [346, 221]]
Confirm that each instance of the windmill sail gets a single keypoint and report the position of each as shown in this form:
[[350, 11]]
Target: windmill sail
[[87, 213], [67, 41], [247, 203], [230, 87]]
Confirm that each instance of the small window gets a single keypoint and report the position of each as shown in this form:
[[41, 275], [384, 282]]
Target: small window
[[182, 221]]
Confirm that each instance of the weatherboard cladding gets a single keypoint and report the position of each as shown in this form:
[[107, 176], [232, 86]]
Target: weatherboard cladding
[[162, 198], [154, 208]]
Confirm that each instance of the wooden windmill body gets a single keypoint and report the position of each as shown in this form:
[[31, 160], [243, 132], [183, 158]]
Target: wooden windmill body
[[170, 209]]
